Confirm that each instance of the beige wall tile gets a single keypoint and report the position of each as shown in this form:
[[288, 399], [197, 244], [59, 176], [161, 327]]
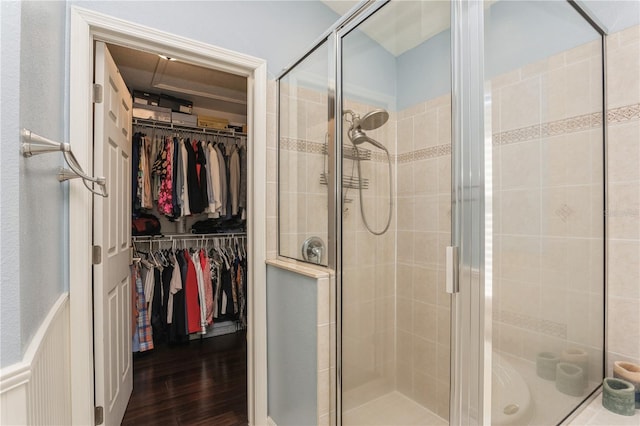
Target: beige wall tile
[[623, 150], [567, 160], [624, 329], [425, 129], [425, 176], [520, 164], [405, 215], [520, 104], [623, 84], [623, 210], [426, 212], [624, 269], [425, 281], [425, 320], [405, 135], [424, 356]]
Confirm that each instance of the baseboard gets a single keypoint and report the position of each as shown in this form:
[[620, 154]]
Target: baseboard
[[37, 389], [270, 422]]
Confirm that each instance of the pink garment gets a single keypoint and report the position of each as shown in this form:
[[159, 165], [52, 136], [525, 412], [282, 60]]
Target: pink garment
[[165, 196], [208, 290]]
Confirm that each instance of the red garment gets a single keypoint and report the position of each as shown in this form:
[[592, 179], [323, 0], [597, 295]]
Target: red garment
[[191, 294]]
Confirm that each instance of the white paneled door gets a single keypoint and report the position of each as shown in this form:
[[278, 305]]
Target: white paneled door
[[111, 232]]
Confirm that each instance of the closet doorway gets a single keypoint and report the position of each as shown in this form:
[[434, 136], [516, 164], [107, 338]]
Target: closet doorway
[[87, 28], [183, 116]]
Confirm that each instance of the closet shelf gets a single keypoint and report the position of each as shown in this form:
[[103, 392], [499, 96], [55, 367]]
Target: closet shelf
[[182, 237], [153, 124]]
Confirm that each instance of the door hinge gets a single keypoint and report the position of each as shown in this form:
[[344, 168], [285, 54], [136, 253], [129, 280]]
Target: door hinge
[[96, 255], [452, 280], [99, 415], [97, 93]]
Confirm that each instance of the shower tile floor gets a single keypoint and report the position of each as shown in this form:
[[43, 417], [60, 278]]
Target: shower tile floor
[[391, 409]]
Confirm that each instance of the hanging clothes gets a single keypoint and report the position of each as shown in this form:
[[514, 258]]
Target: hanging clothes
[[234, 181], [215, 201], [223, 181], [165, 197], [177, 179], [178, 330], [184, 154], [242, 202], [142, 336], [208, 291], [191, 294]]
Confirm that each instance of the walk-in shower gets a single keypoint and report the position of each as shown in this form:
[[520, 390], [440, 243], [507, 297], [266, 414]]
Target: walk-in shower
[[456, 127]]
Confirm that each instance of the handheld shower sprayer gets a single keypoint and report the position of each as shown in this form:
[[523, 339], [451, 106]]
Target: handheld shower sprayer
[[371, 121], [356, 133]]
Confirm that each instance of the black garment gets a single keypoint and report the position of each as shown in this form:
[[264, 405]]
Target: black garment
[[196, 204], [175, 190], [201, 160], [242, 201], [225, 277], [158, 320], [211, 226], [135, 164]]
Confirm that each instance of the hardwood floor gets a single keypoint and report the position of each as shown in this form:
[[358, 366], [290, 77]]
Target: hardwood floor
[[202, 383]]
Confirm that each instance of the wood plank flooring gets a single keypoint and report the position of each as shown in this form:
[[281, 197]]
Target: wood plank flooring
[[202, 383]]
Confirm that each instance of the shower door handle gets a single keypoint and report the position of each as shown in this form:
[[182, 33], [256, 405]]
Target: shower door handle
[[452, 283]]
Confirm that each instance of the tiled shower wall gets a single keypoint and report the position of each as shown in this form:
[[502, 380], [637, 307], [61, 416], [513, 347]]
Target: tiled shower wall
[[424, 230], [547, 206], [547, 167], [623, 190], [303, 204]]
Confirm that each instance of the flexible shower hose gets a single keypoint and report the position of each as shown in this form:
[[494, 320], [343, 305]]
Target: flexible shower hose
[[364, 217]]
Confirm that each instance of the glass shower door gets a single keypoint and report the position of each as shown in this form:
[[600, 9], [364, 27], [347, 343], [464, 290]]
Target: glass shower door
[[395, 111], [544, 104]]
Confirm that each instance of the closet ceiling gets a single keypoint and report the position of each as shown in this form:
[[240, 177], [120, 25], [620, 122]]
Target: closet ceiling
[[206, 88]]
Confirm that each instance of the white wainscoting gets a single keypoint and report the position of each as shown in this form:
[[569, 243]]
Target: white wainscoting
[[37, 390]]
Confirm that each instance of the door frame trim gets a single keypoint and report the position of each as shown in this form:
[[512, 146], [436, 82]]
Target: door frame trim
[[86, 27]]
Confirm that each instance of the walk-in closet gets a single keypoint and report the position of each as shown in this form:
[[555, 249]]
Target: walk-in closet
[[189, 261]]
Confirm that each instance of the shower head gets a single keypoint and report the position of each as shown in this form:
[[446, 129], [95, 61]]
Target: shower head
[[373, 119]]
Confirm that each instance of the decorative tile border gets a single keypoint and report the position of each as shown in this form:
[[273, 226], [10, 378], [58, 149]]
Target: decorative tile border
[[424, 154], [519, 320], [622, 114], [554, 128]]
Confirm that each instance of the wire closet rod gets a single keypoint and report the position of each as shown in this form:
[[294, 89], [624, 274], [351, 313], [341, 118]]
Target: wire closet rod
[[152, 124], [186, 237]]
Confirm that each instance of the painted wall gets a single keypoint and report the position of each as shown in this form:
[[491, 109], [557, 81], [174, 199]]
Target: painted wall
[[10, 350], [33, 238], [292, 358], [278, 31]]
